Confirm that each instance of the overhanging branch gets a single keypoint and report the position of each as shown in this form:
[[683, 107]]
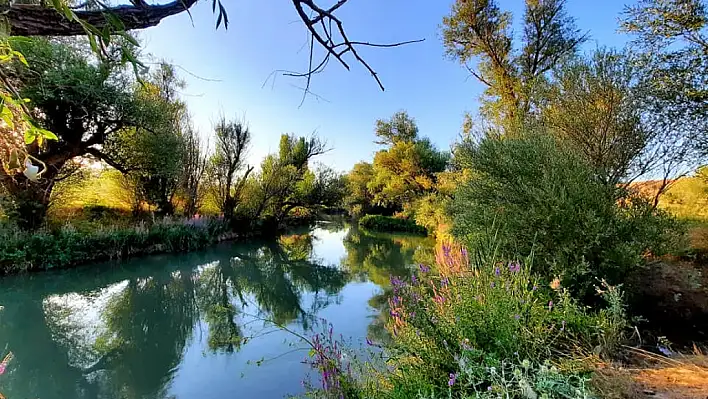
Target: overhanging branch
[[37, 20]]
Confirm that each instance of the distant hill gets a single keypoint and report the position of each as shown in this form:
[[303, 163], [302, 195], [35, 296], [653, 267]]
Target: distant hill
[[686, 198]]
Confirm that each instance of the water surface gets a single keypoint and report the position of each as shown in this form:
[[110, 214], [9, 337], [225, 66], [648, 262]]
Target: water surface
[[197, 325]]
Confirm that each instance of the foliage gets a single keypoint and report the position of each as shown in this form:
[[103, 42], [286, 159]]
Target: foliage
[[194, 168], [388, 224], [473, 327], [232, 141], [44, 249], [79, 99], [592, 107], [479, 31], [671, 51], [152, 154], [400, 174], [286, 182], [400, 128], [539, 198]]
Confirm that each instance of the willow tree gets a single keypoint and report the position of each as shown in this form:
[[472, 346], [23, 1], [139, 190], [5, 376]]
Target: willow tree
[[82, 100], [478, 34]]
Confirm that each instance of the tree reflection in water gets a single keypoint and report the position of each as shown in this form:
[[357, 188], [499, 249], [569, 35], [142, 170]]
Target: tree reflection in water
[[122, 331]]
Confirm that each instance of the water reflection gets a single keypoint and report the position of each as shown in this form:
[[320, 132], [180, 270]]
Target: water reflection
[[124, 331]]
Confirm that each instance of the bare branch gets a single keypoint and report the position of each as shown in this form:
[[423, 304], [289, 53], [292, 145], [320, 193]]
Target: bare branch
[[326, 19]]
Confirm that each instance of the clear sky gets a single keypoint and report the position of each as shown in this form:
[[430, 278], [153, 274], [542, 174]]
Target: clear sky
[[266, 35]]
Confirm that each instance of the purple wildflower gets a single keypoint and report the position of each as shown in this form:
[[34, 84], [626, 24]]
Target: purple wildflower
[[517, 317], [489, 388], [666, 351], [3, 366], [497, 271], [423, 268], [492, 284], [550, 305], [535, 287], [396, 300], [514, 267], [414, 279], [453, 378], [444, 282], [368, 342], [396, 282], [439, 299], [463, 251]]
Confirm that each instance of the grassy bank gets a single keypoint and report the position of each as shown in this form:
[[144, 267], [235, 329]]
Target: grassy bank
[[64, 247], [390, 224]]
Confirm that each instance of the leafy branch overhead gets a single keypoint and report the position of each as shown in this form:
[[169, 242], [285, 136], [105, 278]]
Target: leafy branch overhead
[[100, 21]]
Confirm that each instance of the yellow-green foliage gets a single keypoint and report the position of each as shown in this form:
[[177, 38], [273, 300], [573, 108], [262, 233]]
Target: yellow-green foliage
[[79, 198], [687, 198]]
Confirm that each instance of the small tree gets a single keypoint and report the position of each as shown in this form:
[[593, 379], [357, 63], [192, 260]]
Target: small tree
[[233, 139], [194, 167]]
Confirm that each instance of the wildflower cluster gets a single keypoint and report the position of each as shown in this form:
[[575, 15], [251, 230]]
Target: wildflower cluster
[[456, 321], [327, 356]]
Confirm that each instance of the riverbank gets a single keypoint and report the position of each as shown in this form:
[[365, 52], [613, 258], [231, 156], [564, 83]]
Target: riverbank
[[22, 251]]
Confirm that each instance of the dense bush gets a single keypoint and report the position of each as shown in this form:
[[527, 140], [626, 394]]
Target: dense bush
[[474, 327], [539, 198], [41, 250], [388, 224]]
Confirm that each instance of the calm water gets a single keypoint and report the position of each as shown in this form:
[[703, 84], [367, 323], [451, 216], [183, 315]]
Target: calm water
[[192, 325]]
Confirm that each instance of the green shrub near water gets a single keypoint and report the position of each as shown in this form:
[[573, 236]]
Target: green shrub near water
[[389, 224], [475, 327], [535, 196], [44, 249]]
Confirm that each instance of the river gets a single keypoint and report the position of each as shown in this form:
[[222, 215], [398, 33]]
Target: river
[[197, 325]]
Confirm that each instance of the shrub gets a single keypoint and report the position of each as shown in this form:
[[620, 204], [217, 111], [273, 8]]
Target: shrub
[[388, 223], [27, 251], [537, 197], [481, 328]]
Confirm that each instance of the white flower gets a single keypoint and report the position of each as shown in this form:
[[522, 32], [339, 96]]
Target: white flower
[[31, 170]]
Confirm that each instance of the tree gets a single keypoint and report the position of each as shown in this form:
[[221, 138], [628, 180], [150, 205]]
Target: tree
[[232, 141], [400, 127], [282, 183], [671, 50], [406, 169], [533, 196], [593, 106], [152, 154], [359, 200], [479, 30], [83, 101], [194, 167]]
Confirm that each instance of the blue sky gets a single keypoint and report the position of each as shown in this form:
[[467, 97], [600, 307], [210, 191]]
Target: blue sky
[[266, 35]]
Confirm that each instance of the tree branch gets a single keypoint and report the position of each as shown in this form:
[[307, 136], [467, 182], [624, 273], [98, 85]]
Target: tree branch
[[105, 158], [37, 20]]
